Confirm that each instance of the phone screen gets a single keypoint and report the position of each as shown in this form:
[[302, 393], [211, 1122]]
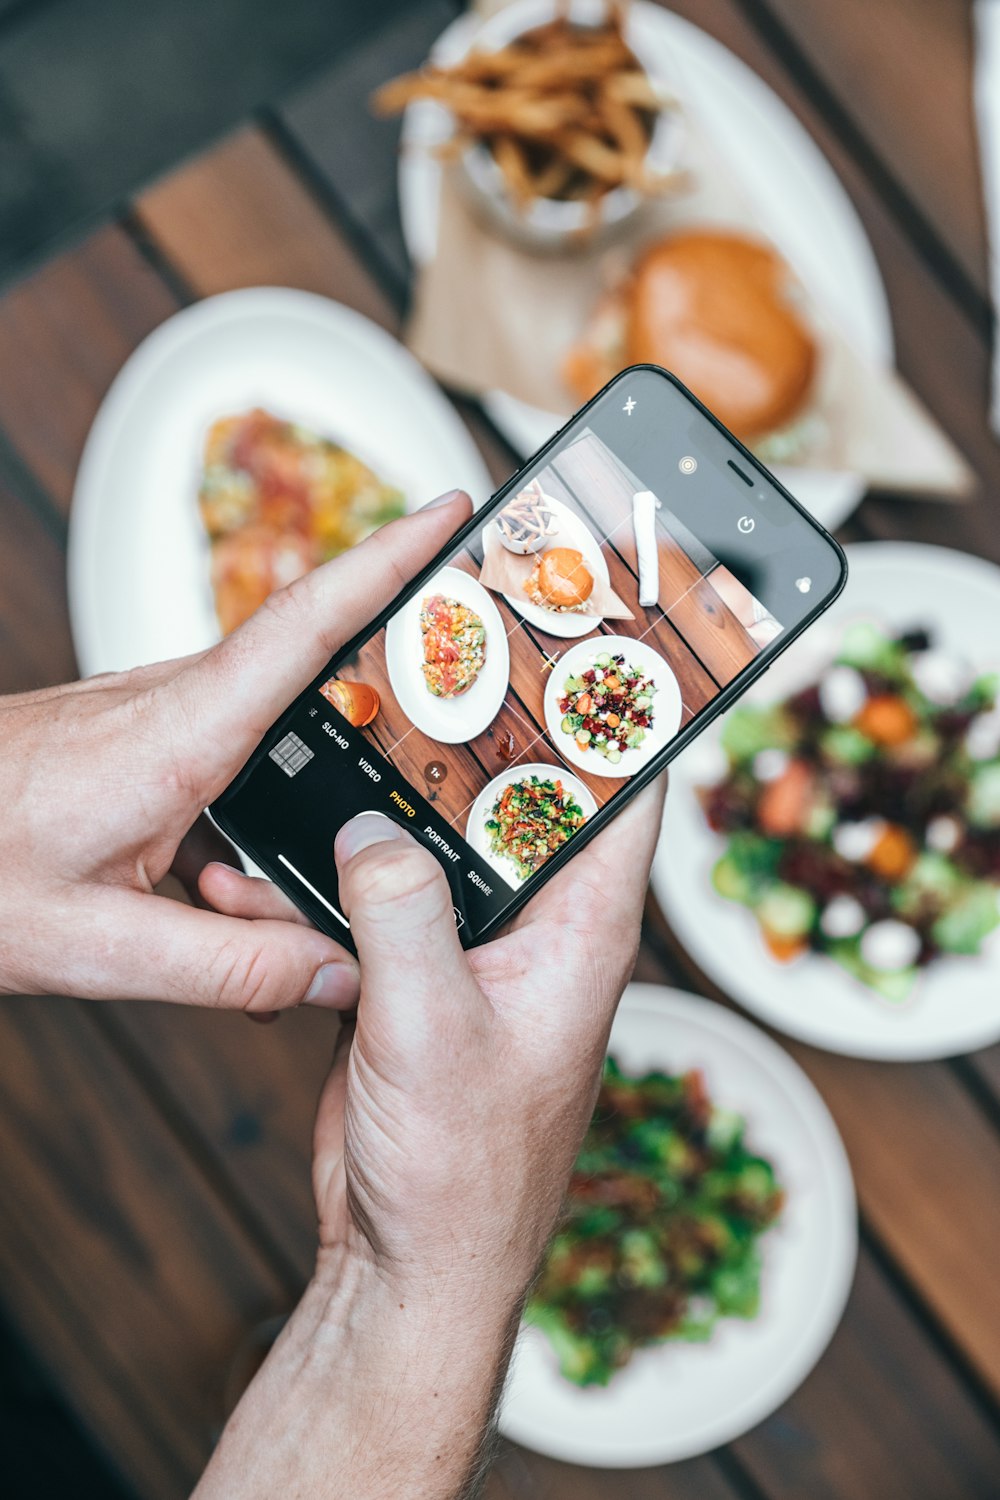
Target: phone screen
[[576, 633]]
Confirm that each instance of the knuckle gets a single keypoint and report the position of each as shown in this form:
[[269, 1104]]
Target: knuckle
[[243, 978]]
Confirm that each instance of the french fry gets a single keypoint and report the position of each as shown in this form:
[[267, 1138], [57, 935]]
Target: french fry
[[566, 110]]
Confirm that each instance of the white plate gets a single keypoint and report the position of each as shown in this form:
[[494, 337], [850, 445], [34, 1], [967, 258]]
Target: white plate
[[138, 562], [808, 215], [955, 1006], [475, 828], [449, 720], [677, 1400], [572, 533], [667, 705]]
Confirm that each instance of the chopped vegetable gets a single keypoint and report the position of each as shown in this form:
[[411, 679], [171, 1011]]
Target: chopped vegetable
[[862, 815], [608, 707], [660, 1233], [530, 820]]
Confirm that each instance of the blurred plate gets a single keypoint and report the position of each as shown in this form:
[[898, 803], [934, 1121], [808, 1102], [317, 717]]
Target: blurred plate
[[955, 1005], [448, 720], [475, 828], [800, 201], [667, 705], [139, 560], [676, 1400], [572, 533]]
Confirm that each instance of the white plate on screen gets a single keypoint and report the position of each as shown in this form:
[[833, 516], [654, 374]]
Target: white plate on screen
[[811, 218], [572, 532], [677, 1400], [475, 828], [449, 720], [138, 560], [667, 705], [955, 1006]]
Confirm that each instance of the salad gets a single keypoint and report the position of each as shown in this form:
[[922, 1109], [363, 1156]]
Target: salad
[[659, 1237], [530, 820], [608, 707], [862, 814], [454, 643]]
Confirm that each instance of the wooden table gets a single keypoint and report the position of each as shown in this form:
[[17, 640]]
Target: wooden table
[[154, 1191]]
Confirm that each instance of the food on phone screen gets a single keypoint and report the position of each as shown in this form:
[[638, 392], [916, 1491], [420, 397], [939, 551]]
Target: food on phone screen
[[608, 707], [720, 311], [529, 519], [531, 819], [278, 500], [560, 581], [356, 701], [660, 1232], [566, 111], [862, 814], [454, 642]]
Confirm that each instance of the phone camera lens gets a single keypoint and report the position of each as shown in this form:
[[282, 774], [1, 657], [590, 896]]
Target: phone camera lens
[[688, 464]]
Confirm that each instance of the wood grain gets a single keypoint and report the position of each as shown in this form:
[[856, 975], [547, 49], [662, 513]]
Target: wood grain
[[64, 334], [902, 71], [116, 1258]]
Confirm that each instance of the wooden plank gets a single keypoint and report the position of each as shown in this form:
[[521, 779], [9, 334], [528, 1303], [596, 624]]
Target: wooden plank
[[64, 333], [902, 71], [35, 647], [116, 1260], [883, 1414], [520, 1475]]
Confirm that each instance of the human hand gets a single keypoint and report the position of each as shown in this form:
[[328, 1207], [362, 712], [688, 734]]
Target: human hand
[[103, 783], [444, 1140]]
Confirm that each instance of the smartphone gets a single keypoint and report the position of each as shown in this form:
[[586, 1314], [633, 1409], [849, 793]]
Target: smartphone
[[622, 590]]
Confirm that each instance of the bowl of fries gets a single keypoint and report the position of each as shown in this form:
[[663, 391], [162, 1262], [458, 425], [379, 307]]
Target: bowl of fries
[[561, 129]]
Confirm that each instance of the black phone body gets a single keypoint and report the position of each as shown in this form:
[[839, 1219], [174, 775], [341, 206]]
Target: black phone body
[[491, 743]]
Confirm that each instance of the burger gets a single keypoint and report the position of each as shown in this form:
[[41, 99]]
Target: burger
[[560, 581], [718, 309]]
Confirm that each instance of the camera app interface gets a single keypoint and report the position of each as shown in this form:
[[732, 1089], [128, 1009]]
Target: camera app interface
[[538, 671]]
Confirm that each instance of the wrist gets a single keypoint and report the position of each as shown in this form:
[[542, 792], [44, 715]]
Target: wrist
[[372, 1391]]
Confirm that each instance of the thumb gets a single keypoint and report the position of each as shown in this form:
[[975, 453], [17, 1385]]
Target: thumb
[[133, 945], [402, 921]]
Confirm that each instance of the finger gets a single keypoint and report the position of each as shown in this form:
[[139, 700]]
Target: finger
[[202, 844], [609, 877], [328, 1133], [236, 691], [128, 944], [234, 894], [402, 921]]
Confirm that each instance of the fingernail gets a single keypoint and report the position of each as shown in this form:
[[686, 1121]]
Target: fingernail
[[367, 828], [444, 499], [263, 1017], [335, 986]]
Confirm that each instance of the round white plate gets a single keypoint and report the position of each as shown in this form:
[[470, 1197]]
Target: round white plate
[[676, 1400], [449, 720], [138, 561], [572, 533], [812, 220], [475, 828], [667, 705], [955, 1005]]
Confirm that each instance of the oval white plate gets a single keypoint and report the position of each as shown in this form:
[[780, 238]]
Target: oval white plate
[[667, 705], [812, 219], [955, 1006], [138, 561], [449, 720], [572, 533], [676, 1400], [475, 828]]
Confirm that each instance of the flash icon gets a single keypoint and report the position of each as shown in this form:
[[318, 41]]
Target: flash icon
[[629, 407]]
